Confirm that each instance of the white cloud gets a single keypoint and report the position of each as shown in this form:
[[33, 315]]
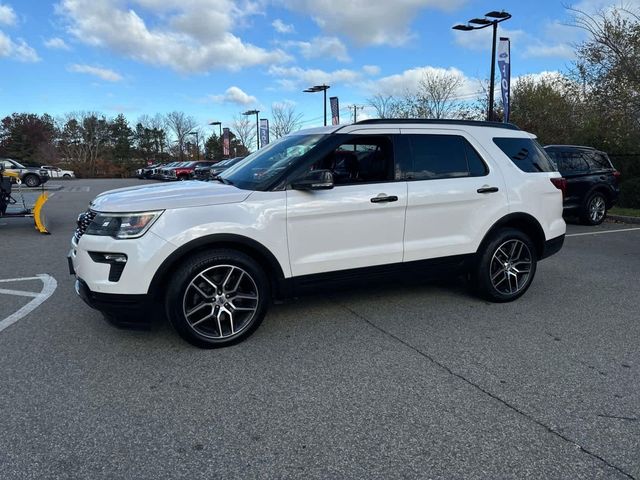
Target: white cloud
[[18, 50], [187, 36], [56, 43], [102, 73], [371, 70], [282, 27], [291, 78], [409, 80], [235, 95], [322, 47], [369, 22], [561, 50], [7, 15], [481, 39]]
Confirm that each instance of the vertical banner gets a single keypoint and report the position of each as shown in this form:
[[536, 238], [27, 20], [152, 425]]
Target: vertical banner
[[335, 111], [225, 142], [504, 64], [264, 132]]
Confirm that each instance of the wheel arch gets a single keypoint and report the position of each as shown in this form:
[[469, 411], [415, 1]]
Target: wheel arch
[[521, 221], [246, 245], [602, 188]]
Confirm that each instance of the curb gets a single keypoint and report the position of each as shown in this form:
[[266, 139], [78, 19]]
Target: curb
[[624, 218]]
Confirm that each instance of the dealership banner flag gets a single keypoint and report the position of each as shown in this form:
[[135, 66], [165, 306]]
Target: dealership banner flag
[[264, 132], [225, 142], [335, 111], [504, 64]]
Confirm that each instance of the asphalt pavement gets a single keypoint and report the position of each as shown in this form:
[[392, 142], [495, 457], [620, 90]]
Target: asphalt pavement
[[401, 381]]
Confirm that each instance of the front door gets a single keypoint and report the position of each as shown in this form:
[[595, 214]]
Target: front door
[[358, 223]]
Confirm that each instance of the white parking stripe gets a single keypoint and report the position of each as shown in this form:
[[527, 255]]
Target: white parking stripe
[[49, 286], [19, 293], [23, 279], [601, 232]]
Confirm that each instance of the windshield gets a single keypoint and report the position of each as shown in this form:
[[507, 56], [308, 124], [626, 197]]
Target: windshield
[[258, 170]]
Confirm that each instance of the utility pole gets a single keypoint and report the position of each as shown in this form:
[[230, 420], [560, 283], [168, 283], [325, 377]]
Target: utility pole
[[355, 111]]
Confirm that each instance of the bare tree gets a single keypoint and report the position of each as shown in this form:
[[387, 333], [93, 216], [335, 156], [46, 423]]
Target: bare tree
[[180, 125], [245, 130], [384, 105], [284, 119], [436, 96]]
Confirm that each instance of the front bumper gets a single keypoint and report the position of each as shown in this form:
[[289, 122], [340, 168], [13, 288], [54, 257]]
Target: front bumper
[[127, 311]]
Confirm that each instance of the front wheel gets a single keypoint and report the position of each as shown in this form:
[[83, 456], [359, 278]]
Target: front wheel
[[595, 209], [66, 176], [506, 266], [31, 180], [217, 298]]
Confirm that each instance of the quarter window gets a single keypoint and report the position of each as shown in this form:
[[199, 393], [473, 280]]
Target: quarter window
[[442, 156], [526, 154]]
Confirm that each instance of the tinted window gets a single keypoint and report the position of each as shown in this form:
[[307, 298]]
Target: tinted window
[[361, 159], [570, 162], [598, 161], [527, 155], [442, 156]]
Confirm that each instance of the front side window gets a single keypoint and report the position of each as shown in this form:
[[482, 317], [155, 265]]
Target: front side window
[[442, 156], [360, 159], [258, 170], [526, 154]]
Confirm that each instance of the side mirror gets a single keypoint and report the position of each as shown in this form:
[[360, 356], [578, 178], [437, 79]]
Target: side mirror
[[314, 180]]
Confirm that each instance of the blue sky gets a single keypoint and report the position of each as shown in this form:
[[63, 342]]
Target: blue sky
[[215, 58]]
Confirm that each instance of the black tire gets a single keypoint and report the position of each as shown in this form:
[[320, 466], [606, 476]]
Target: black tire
[[594, 210], [31, 180], [182, 296], [67, 176], [486, 272]]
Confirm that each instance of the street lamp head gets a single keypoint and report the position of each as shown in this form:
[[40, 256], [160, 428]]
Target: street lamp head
[[500, 15], [251, 112], [464, 28], [317, 88], [215, 123], [192, 133], [480, 21]]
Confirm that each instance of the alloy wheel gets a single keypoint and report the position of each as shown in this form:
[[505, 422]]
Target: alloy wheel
[[597, 209], [220, 302], [511, 266]]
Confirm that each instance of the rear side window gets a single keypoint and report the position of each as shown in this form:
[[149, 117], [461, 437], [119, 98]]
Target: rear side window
[[526, 154], [598, 161], [442, 156], [571, 162]]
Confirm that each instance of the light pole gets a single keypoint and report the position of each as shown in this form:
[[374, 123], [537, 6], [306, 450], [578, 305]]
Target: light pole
[[195, 132], [494, 19], [320, 88], [255, 112], [219, 124]]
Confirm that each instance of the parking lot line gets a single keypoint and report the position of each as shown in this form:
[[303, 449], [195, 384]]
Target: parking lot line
[[19, 293], [600, 233], [49, 286]]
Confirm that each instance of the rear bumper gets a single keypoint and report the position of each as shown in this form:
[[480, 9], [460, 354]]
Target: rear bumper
[[552, 246]]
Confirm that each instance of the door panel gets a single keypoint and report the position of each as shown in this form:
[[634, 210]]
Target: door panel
[[342, 228]]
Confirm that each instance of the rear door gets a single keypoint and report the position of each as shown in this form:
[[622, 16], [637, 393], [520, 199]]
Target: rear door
[[575, 169], [358, 223], [454, 194]]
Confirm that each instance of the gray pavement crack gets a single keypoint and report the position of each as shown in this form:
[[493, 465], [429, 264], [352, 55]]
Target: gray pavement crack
[[487, 392]]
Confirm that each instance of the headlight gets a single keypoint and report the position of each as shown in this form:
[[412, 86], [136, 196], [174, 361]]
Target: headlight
[[122, 225]]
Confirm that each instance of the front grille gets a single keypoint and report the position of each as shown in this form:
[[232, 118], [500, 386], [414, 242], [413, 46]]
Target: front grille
[[84, 220]]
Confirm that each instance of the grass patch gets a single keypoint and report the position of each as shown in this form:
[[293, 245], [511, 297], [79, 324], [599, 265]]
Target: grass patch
[[627, 212]]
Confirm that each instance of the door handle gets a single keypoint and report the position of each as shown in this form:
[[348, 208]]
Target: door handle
[[383, 198], [487, 190]]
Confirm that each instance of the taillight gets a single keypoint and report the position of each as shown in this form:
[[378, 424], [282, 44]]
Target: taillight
[[561, 184], [617, 175]]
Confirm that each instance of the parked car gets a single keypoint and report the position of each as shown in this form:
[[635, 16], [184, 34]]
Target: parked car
[[379, 198], [146, 172], [156, 172], [57, 172], [592, 181], [30, 176], [183, 171], [208, 172]]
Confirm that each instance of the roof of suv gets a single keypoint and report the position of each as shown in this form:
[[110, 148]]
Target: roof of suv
[[565, 147]]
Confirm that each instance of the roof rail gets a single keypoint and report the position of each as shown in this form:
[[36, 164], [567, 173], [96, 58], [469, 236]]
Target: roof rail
[[433, 121]]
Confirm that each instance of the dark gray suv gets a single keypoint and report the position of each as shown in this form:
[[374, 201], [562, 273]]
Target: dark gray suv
[[30, 176]]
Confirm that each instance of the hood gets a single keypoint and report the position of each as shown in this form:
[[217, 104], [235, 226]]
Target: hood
[[162, 196]]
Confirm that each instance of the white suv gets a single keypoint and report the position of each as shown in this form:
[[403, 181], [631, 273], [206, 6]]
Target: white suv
[[323, 205]]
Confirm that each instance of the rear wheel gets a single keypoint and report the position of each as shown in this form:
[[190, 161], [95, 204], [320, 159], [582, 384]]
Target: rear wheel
[[67, 176], [31, 180], [217, 298], [506, 266], [595, 209]]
